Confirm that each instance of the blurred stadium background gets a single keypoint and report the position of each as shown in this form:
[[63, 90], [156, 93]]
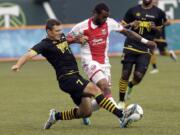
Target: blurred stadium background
[[26, 17], [27, 96]]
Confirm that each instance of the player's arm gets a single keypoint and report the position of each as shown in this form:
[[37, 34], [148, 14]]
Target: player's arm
[[22, 60], [114, 26], [76, 34], [129, 21], [136, 37], [80, 39], [133, 24]]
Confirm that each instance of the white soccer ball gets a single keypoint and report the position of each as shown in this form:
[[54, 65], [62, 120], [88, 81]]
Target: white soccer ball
[[138, 113]]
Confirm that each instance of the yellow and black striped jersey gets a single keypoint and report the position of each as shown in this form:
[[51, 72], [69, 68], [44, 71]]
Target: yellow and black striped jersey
[[58, 54], [145, 18]]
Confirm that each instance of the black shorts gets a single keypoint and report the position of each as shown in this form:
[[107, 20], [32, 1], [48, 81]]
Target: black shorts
[[74, 85], [162, 46], [140, 60]]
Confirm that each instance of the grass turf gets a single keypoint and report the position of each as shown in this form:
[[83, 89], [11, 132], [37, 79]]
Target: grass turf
[[27, 96]]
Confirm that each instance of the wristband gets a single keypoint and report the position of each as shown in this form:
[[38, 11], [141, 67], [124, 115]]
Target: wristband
[[144, 41]]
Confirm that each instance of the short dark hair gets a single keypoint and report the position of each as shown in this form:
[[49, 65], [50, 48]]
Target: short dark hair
[[51, 22], [99, 7]]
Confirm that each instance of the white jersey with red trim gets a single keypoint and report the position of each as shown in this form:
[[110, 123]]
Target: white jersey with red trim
[[96, 48]]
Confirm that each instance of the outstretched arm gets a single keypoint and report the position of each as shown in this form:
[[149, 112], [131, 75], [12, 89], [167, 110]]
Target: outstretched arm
[[136, 37], [22, 60], [80, 39]]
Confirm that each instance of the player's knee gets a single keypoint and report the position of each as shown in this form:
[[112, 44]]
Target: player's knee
[[125, 75], [104, 86], [92, 89], [86, 113], [138, 76]]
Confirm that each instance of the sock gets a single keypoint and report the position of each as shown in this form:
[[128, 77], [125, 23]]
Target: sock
[[67, 115], [122, 89], [108, 105], [96, 107], [130, 84], [113, 101], [154, 66], [154, 61]]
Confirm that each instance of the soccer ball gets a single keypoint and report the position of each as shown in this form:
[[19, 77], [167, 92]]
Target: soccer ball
[[138, 113]]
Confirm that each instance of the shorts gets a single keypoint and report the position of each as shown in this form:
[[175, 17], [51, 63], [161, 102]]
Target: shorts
[[74, 85], [96, 71], [162, 46], [140, 60]]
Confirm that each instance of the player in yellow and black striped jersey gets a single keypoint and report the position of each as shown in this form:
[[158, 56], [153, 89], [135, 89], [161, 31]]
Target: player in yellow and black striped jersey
[[161, 44], [145, 19], [55, 48]]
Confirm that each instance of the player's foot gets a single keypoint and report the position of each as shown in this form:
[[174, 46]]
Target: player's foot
[[86, 121], [128, 93], [51, 120], [126, 120], [154, 71], [121, 105], [173, 55]]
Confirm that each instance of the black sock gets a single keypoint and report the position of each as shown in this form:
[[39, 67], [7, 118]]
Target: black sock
[[130, 84], [121, 96], [154, 66]]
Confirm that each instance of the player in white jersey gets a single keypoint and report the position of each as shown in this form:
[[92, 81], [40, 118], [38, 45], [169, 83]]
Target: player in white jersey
[[94, 53]]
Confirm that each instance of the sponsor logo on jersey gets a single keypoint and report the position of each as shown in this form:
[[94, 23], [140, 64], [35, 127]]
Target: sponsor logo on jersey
[[104, 32]]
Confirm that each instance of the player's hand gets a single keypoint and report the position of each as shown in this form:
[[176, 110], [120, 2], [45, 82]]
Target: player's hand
[[83, 39], [135, 24], [15, 68], [153, 25]]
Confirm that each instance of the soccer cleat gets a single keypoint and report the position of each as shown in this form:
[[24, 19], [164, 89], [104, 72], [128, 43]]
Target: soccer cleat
[[127, 120], [86, 121], [128, 93], [51, 120], [154, 71], [173, 55], [121, 105]]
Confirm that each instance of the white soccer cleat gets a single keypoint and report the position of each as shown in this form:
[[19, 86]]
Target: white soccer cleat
[[173, 55], [51, 120], [121, 105], [154, 71], [127, 120]]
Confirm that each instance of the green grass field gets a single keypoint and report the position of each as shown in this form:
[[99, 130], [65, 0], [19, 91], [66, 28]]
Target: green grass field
[[27, 96]]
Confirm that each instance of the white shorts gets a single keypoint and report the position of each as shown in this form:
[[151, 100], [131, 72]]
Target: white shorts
[[97, 72]]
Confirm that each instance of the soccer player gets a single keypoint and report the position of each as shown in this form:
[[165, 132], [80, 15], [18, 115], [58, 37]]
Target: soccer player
[[161, 43], [144, 19], [94, 53], [56, 50]]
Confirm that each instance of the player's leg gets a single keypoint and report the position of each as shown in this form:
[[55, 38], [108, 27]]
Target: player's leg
[[101, 77], [173, 55], [74, 86], [107, 104], [154, 64], [165, 52], [141, 67], [84, 109], [127, 66]]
